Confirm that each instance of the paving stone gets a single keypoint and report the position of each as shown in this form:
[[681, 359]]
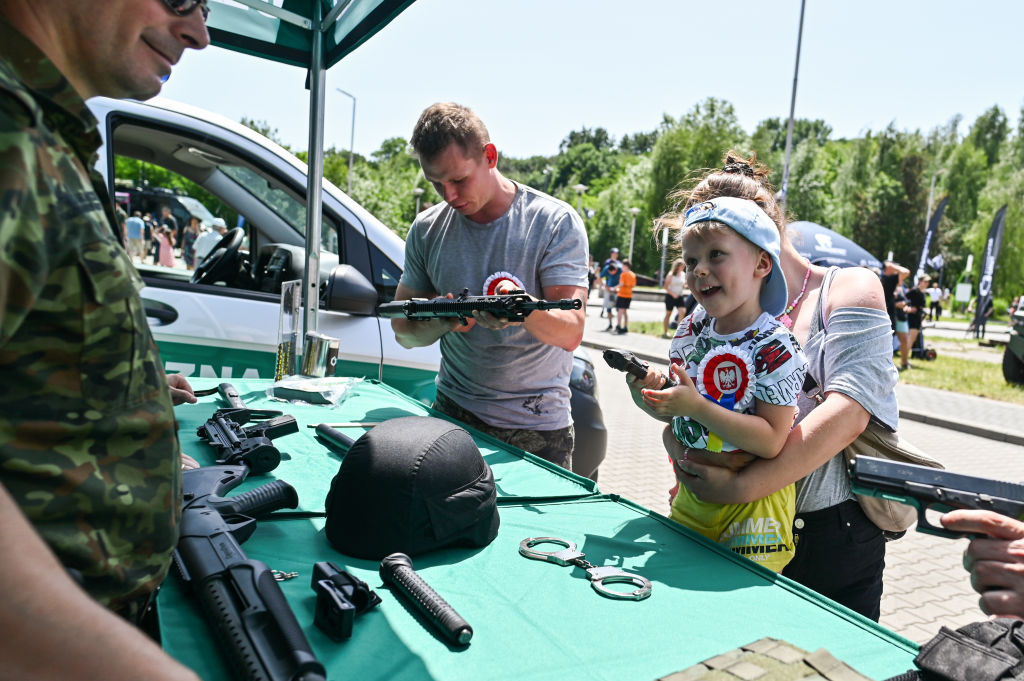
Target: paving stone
[[925, 585]]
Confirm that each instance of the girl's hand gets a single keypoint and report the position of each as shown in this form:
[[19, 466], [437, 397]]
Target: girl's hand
[[652, 380], [679, 400]]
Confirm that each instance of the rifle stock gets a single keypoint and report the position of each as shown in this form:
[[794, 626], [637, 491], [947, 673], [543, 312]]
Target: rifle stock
[[241, 599]]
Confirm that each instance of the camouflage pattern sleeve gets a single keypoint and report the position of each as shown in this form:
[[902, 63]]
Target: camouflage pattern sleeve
[[88, 444], [22, 250]]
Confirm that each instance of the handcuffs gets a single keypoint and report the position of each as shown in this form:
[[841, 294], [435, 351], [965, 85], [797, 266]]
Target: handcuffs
[[599, 576]]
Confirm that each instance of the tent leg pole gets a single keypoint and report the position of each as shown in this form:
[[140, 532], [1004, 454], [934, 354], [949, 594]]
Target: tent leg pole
[[314, 186]]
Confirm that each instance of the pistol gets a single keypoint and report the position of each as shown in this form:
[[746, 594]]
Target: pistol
[[934, 489]]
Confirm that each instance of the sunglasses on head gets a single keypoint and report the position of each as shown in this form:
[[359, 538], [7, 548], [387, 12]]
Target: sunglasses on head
[[185, 7]]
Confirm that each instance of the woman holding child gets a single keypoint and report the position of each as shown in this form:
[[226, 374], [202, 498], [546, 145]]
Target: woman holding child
[[838, 317]]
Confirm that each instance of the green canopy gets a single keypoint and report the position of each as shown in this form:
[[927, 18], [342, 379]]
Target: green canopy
[[284, 30], [313, 35]]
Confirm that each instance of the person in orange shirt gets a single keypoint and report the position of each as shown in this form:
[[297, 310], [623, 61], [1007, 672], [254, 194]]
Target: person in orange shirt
[[626, 283]]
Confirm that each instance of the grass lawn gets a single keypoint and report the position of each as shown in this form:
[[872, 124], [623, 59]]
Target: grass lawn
[[955, 374]]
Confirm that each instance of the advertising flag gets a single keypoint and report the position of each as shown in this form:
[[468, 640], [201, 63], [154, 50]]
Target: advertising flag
[[988, 268]]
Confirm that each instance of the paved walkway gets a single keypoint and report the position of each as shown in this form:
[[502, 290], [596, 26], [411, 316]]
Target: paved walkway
[[925, 584], [965, 413]]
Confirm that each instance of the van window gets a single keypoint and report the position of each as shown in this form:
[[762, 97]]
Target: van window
[[245, 188]]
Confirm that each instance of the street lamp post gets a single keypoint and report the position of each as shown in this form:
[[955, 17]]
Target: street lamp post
[[632, 232], [418, 191], [792, 108], [931, 194], [579, 189], [664, 250], [352, 139]]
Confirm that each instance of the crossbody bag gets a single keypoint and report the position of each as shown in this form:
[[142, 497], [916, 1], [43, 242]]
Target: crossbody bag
[[879, 441]]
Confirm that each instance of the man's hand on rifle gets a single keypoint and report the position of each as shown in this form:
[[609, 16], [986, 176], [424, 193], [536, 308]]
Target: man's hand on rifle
[[490, 321], [415, 334], [456, 325]]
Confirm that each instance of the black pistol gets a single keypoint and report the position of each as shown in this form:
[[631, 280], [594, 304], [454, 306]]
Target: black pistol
[[250, 446], [927, 488], [624, 360]]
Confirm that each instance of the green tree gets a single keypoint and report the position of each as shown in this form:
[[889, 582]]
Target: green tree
[[638, 143], [697, 141], [808, 196], [536, 171], [1005, 186], [263, 128], [612, 219], [877, 194], [770, 134], [140, 174], [585, 163], [598, 137], [989, 132]]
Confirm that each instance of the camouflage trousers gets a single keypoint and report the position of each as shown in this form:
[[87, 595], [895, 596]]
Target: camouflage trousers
[[551, 445]]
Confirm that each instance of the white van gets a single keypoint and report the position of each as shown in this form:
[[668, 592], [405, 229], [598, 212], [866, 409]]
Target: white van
[[222, 319]]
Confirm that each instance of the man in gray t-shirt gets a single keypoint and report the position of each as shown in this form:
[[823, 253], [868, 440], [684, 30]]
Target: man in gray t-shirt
[[491, 236]]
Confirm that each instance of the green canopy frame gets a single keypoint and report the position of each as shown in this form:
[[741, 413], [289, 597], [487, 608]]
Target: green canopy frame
[[315, 35]]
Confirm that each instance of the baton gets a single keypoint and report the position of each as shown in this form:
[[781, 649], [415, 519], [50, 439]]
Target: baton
[[396, 571]]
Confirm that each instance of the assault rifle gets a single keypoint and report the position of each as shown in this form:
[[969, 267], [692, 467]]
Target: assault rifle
[[934, 489], [239, 596], [250, 446], [513, 306]]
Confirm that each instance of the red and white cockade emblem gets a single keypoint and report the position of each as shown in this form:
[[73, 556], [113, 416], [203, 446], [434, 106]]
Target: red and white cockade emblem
[[496, 280], [726, 376]]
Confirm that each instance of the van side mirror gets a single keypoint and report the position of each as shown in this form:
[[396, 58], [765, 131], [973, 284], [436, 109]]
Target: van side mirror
[[349, 291]]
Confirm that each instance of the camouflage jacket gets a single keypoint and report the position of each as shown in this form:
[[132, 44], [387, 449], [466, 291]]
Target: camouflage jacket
[[88, 447]]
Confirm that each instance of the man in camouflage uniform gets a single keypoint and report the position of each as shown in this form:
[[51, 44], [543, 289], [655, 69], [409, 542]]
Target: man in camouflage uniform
[[89, 458]]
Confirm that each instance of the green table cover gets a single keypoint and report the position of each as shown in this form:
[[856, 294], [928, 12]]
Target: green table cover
[[534, 620]]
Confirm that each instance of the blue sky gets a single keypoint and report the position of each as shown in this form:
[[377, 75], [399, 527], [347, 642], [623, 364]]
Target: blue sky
[[536, 69]]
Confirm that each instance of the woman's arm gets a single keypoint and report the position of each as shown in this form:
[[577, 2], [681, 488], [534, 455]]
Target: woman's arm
[[827, 429], [823, 433]]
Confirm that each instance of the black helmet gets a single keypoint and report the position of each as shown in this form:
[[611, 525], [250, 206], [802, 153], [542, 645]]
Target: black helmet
[[411, 484]]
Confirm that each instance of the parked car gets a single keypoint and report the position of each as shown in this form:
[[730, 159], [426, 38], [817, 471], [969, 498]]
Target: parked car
[[222, 320]]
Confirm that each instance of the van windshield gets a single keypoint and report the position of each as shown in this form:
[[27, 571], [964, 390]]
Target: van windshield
[[196, 209], [287, 207]]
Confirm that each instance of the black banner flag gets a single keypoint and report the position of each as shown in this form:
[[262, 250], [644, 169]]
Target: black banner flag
[[929, 236], [988, 269]]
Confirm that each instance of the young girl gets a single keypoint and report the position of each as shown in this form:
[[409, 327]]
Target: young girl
[[739, 371], [164, 237]]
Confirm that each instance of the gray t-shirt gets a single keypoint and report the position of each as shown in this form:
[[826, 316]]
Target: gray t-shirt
[[851, 353], [507, 378]]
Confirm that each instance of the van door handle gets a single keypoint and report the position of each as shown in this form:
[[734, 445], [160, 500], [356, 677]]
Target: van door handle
[[162, 312]]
